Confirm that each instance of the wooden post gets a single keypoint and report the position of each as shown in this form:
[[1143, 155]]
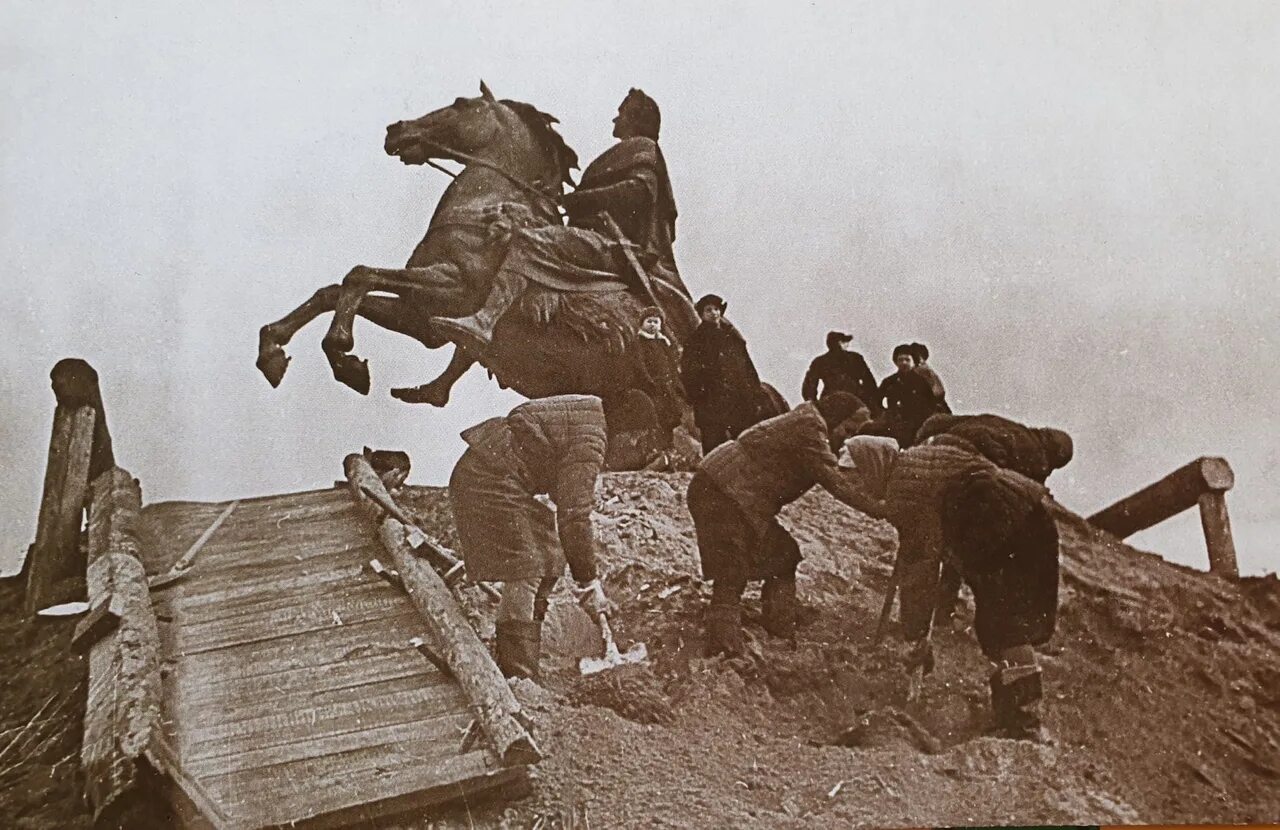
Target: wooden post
[[1205, 482], [448, 632], [1217, 534], [122, 713], [79, 451]]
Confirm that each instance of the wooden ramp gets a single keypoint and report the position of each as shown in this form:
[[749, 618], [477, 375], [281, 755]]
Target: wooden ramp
[[291, 693]]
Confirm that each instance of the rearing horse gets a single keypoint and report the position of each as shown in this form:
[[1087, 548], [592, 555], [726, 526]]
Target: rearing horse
[[515, 168]]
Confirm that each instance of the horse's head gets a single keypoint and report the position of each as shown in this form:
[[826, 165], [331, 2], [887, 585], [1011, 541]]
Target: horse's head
[[508, 132]]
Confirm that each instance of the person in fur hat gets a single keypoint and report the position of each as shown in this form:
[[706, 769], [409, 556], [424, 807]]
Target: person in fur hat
[[720, 380], [657, 368]]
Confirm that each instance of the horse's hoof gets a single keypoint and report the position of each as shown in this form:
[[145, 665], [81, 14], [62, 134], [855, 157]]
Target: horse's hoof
[[426, 393], [351, 370], [272, 362]]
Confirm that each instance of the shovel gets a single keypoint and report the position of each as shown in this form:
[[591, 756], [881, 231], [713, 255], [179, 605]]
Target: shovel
[[612, 657]]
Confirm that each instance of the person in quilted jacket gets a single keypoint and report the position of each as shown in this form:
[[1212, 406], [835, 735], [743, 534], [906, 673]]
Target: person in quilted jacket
[[735, 496], [548, 446], [996, 528]]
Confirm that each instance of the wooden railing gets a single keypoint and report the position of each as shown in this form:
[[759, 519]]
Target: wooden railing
[[1203, 482]]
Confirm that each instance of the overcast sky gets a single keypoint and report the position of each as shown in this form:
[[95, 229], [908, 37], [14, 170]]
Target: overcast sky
[[1077, 206]]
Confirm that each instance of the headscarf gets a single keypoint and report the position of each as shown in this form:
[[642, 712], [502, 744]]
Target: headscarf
[[872, 458]]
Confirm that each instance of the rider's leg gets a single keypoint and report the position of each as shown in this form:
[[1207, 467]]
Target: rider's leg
[[476, 330]]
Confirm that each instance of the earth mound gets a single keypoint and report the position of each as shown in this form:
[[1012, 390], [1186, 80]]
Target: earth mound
[[1162, 695]]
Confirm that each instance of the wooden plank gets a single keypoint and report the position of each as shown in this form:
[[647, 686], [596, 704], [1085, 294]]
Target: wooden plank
[[438, 735], [219, 737], [1176, 492], [123, 710], [353, 668], [471, 788], [232, 602], [237, 705], [1217, 534], [56, 560], [281, 625], [264, 575], [262, 605], [314, 787], [312, 648], [448, 632], [359, 602], [191, 598]]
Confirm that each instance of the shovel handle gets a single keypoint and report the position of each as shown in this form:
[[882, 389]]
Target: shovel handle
[[610, 646]]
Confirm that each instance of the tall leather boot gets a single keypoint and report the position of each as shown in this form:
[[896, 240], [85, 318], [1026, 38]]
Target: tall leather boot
[[779, 606], [1016, 691], [519, 648], [476, 330], [724, 630]]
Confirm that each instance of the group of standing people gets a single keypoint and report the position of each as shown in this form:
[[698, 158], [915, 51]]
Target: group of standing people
[[965, 493]]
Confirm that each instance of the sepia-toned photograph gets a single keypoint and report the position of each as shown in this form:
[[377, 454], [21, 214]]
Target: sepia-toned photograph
[[564, 415]]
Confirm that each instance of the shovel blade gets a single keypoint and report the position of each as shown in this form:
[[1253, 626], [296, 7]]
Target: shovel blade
[[638, 653]]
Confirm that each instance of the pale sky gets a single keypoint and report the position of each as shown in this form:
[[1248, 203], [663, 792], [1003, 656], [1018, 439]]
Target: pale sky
[[1077, 206]]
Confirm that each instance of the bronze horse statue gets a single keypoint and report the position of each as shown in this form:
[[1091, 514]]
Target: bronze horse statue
[[515, 166]]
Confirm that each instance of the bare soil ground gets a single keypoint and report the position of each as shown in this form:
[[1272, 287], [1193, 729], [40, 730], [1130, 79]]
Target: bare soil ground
[[1162, 692]]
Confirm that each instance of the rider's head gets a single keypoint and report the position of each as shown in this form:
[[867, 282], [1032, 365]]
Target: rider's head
[[637, 116]]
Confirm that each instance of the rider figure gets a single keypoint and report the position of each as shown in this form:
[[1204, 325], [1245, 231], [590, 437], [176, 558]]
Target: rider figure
[[629, 184]]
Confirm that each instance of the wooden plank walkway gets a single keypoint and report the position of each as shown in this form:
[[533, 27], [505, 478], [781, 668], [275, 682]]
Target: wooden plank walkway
[[291, 693]]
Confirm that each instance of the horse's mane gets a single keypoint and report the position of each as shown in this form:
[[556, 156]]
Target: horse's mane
[[540, 124]]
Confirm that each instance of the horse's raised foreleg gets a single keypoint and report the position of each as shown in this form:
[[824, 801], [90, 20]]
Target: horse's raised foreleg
[[441, 280], [273, 337], [437, 391]]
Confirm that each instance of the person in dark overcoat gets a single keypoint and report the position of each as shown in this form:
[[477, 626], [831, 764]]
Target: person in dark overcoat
[[735, 496], [839, 370], [906, 398], [548, 446], [720, 380]]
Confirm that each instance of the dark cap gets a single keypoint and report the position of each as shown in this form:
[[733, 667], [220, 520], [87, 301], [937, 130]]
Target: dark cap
[[834, 337], [711, 300]]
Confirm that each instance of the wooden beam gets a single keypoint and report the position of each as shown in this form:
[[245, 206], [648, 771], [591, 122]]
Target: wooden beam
[[1217, 534], [123, 710], [448, 633], [56, 560], [1203, 482], [1176, 492]]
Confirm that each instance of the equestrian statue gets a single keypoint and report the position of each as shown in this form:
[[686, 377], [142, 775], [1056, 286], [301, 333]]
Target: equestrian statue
[[548, 307]]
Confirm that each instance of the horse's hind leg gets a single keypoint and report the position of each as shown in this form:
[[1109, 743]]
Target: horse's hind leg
[[273, 337], [437, 391]]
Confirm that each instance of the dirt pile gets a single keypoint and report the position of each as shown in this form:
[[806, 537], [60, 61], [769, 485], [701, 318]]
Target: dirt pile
[[1162, 693]]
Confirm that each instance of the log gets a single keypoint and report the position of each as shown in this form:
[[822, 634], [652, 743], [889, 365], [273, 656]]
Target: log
[[75, 384], [1217, 534], [79, 451], [1203, 482], [122, 714], [1168, 497], [448, 634], [56, 559]]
